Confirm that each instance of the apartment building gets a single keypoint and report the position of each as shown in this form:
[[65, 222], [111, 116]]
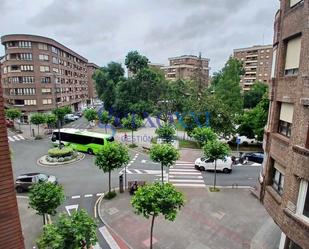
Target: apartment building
[[257, 61], [39, 73], [285, 174], [92, 92], [188, 67], [10, 228]]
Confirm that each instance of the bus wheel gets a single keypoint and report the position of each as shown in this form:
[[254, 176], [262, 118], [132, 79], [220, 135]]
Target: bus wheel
[[90, 151]]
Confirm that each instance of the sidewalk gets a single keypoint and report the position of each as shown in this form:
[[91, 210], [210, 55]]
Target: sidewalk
[[31, 223], [227, 219]]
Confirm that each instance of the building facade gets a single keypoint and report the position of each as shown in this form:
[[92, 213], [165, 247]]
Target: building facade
[[257, 62], [188, 67], [92, 92], [10, 229], [38, 74], [285, 174]]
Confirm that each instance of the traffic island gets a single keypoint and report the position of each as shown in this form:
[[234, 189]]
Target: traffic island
[[48, 160]]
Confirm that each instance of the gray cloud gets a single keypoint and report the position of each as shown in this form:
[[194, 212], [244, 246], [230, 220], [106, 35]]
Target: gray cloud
[[105, 30]]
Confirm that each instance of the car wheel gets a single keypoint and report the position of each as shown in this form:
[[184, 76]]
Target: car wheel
[[202, 168], [90, 151], [19, 189], [226, 170]]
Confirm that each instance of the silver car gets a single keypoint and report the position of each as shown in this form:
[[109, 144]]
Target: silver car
[[25, 181]]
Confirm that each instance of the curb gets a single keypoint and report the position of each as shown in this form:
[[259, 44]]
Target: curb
[[58, 165], [98, 202]]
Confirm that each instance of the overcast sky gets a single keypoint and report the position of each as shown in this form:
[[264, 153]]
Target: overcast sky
[[105, 30]]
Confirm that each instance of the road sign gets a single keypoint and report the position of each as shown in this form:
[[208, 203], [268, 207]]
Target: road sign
[[71, 207], [238, 140]]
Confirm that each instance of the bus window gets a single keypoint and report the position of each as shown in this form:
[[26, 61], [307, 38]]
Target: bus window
[[98, 141], [110, 139]]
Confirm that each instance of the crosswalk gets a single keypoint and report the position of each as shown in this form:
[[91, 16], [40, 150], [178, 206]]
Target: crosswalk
[[183, 174], [15, 138], [141, 171]]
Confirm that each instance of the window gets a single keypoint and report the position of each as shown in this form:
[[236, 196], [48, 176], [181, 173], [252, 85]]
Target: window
[[55, 50], [24, 56], [45, 80], [47, 101], [278, 178], [24, 44], [43, 57], [46, 90], [307, 141], [26, 68], [292, 56], [55, 70], [303, 201], [273, 65], [261, 63], [30, 102], [294, 2], [44, 68], [286, 118], [43, 46], [55, 60]]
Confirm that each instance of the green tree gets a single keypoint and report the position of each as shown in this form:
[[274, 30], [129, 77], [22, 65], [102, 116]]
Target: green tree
[[111, 157], [136, 62], [91, 114], [165, 154], [203, 134], [60, 112], [254, 95], [51, 119], [215, 150], [38, 119], [227, 87], [155, 199], [105, 119], [106, 79], [132, 122], [13, 114], [77, 231], [166, 132], [45, 197]]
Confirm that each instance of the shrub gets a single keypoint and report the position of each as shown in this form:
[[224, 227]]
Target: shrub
[[110, 195], [56, 152]]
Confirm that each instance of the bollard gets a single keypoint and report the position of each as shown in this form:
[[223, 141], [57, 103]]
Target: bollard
[[121, 183]]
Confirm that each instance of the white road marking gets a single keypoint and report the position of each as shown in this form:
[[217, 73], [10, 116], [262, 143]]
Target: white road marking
[[75, 197], [185, 180], [100, 194], [88, 195], [16, 138], [182, 170], [71, 207], [11, 139], [194, 176], [189, 185], [108, 238], [21, 137], [186, 173], [138, 171], [143, 161]]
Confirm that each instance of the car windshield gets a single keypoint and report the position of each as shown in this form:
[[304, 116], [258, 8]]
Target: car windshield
[[42, 177]]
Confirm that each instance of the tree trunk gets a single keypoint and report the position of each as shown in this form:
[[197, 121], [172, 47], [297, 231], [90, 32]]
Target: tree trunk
[[44, 221], [105, 128], [162, 174], [38, 129], [132, 137], [59, 136], [151, 230], [109, 181], [215, 179]]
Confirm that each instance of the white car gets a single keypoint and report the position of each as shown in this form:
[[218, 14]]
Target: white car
[[71, 117], [224, 165]]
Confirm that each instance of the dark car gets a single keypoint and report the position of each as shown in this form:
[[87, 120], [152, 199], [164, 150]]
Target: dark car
[[25, 181], [256, 157], [79, 114]]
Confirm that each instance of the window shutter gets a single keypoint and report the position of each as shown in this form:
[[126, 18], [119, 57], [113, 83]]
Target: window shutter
[[273, 66], [293, 53], [286, 112], [294, 2]]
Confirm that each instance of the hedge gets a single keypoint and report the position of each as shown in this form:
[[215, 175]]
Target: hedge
[[56, 152]]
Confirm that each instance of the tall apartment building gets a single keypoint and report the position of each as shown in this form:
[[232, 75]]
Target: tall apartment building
[[39, 73], [187, 67], [92, 92], [257, 61], [285, 175], [10, 228]]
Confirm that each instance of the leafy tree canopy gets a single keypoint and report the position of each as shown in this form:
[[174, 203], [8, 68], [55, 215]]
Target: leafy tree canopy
[[132, 122], [62, 111], [203, 134], [38, 118], [255, 94], [12, 113], [165, 154], [136, 62], [166, 132], [215, 150], [91, 114], [51, 119]]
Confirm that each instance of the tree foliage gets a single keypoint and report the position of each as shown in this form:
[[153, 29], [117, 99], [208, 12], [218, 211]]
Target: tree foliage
[[166, 132], [155, 199], [255, 94], [51, 119], [38, 119], [45, 197], [135, 62], [105, 118], [203, 134], [111, 157], [12, 114], [77, 231], [227, 88], [165, 154], [91, 114], [60, 112], [132, 122]]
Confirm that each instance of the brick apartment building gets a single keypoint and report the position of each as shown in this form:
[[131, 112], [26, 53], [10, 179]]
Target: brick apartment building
[[257, 62], [37, 72], [92, 92], [187, 67], [10, 229], [285, 175]]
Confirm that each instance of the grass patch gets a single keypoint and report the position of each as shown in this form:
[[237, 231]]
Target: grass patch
[[188, 144], [212, 189], [132, 146], [122, 130], [110, 195]]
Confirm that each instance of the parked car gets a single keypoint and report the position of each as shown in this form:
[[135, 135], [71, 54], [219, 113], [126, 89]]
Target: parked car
[[9, 123], [256, 157], [224, 165], [25, 181], [70, 117], [79, 114]]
